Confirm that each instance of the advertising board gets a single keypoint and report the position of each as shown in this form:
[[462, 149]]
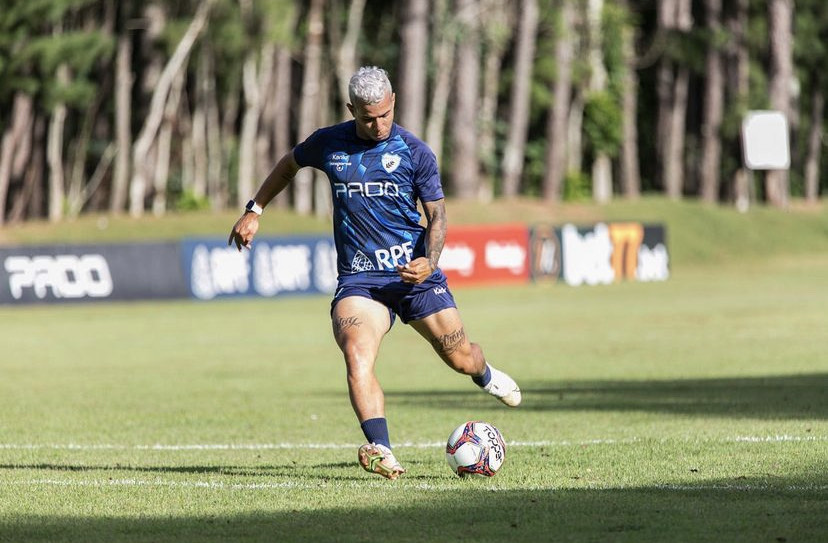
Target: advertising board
[[497, 253], [273, 267], [606, 253], [63, 273], [207, 269]]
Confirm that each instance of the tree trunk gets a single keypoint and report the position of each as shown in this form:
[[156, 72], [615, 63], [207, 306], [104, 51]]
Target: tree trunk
[[256, 84], [713, 108], [602, 165], [18, 129], [54, 152], [141, 174], [264, 137], [465, 176], [664, 88], [497, 25], [165, 137], [281, 115], [186, 133], [630, 170], [216, 188], [198, 125], [520, 98], [557, 125], [812, 161], [79, 191], [227, 116], [738, 79], [575, 133], [123, 122], [780, 78], [28, 200], [486, 121], [444, 58], [411, 85], [347, 50], [674, 148], [674, 15], [309, 106]]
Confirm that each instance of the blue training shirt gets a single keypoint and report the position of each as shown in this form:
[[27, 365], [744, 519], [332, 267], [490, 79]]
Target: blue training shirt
[[375, 187]]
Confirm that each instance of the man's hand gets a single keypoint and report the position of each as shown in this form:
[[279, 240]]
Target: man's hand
[[416, 271], [244, 231]]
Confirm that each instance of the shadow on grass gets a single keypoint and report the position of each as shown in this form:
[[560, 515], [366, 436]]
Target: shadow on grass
[[732, 511], [775, 397], [338, 472]]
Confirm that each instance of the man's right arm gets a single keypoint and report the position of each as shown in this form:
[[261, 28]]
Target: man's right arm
[[248, 224], [279, 178]]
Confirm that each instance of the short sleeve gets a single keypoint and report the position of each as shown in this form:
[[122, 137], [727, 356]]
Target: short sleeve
[[426, 174], [310, 151]]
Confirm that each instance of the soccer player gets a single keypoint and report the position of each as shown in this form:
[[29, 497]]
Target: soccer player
[[386, 260]]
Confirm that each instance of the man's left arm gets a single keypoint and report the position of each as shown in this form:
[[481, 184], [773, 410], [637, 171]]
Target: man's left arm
[[419, 269]]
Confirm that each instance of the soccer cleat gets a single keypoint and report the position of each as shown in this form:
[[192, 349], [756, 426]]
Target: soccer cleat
[[504, 388], [379, 459]]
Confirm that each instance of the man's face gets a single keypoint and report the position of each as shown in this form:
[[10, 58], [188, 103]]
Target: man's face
[[373, 121]]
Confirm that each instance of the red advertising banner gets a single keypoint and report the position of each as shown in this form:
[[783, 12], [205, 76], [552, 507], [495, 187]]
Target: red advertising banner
[[497, 253]]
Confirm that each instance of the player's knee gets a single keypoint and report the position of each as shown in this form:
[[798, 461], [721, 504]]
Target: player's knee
[[351, 350], [470, 361], [464, 362]]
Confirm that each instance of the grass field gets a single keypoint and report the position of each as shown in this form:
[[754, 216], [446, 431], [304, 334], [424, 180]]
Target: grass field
[[690, 410]]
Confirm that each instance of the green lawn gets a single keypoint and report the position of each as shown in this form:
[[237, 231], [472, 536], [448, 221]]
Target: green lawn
[[690, 410]]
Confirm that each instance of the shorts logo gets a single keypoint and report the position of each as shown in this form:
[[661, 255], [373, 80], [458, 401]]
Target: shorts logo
[[390, 162], [439, 290]]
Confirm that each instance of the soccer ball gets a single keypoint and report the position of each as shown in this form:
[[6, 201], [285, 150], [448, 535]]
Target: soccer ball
[[475, 449]]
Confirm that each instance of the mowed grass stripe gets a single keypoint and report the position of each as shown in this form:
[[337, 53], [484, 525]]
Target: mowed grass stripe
[[380, 484], [432, 445]]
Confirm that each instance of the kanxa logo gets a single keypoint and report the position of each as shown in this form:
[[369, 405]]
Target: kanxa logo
[[340, 161], [62, 276]]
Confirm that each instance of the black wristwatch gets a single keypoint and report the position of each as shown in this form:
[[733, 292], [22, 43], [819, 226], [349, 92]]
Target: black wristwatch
[[254, 207]]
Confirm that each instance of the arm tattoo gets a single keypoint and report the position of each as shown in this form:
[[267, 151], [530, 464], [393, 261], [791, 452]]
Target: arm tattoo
[[435, 230], [449, 343], [342, 324]]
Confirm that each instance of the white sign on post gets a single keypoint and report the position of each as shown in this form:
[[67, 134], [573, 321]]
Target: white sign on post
[[765, 141]]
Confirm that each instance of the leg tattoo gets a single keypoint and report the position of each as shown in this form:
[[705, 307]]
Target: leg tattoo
[[447, 344], [342, 324]]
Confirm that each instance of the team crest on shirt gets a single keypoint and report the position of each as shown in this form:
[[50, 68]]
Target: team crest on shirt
[[390, 162]]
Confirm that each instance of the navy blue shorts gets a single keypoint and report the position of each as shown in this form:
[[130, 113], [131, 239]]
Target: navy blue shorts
[[410, 302]]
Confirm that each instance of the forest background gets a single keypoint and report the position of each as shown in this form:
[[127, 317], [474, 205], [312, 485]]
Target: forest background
[[155, 106]]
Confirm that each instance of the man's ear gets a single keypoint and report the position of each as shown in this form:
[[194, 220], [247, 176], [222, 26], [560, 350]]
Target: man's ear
[[351, 109]]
